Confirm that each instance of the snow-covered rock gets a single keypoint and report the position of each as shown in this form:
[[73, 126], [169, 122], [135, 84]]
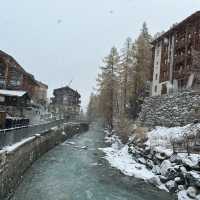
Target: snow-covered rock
[[176, 158], [165, 166], [149, 164], [156, 170], [141, 161], [122, 160], [193, 178], [191, 162], [192, 192], [179, 180], [163, 179], [181, 187], [155, 181], [171, 186], [182, 195], [198, 197], [156, 162]]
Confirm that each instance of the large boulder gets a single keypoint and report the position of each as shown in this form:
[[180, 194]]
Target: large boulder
[[156, 170], [181, 187], [193, 178], [155, 181], [163, 179], [141, 161], [175, 158], [191, 163], [168, 170], [179, 180], [149, 164], [192, 192], [198, 197], [171, 186], [165, 166]]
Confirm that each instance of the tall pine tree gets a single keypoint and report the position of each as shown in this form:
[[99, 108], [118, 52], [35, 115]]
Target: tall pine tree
[[107, 81]]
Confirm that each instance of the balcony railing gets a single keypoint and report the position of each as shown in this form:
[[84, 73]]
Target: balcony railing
[[11, 136]]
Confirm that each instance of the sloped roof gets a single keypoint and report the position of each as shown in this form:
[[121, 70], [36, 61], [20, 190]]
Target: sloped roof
[[67, 88], [175, 27], [4, 54]]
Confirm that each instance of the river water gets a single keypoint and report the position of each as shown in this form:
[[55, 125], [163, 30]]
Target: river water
[[70, 173]]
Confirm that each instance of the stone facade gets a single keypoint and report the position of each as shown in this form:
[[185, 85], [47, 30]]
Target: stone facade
[[170, 110]]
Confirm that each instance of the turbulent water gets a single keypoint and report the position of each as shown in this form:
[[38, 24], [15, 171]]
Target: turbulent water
[[70, 172]]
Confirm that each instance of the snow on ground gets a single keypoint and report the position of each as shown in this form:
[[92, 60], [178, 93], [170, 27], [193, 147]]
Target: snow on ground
[[122, 160], [162, 136], [18, 144], [118, 157], [159, 139], [182, 195]]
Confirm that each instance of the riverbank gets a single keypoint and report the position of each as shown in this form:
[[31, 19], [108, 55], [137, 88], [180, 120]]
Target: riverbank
[[153, 161], [16, 159], [72, 172]]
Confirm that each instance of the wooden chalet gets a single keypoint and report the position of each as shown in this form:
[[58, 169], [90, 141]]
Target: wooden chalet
[[176, 57]]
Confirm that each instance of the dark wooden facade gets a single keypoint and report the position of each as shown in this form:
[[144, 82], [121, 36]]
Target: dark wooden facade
[[180, 52], [14, 77], [67, 101]]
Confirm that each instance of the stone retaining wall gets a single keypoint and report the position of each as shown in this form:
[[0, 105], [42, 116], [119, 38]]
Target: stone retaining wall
[[15, 161], [170, 110]]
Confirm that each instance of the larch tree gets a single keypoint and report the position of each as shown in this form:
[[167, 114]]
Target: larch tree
[[142, 75], [107, 81], [92, 109], [125, 70]]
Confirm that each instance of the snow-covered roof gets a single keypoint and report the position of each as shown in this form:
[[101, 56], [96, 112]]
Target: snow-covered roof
[[12, 93]]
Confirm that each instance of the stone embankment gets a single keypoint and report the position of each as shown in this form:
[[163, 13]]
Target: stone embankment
[[178, 173], [177, 109], [16, 159]]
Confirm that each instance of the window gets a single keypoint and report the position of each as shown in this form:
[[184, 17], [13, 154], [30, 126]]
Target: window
[[164, 75], [180, 68], [164, 89], [2, 69], [156, 76], [182, 83], [155, 89], [15, 77]]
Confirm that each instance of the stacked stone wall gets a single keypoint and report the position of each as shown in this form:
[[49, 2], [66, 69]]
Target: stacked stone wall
[[170, 110]]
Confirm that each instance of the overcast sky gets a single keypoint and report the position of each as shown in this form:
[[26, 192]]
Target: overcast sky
[[60, 40]]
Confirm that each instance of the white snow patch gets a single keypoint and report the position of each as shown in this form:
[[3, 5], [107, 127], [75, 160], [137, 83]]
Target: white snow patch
[[161, 136], [191, 160], [122, 160], [55, 128], [63, 133], [18, 144], [182, 195], [12, 93]]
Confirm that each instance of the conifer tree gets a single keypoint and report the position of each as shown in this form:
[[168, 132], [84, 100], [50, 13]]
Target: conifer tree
[[107, 81]]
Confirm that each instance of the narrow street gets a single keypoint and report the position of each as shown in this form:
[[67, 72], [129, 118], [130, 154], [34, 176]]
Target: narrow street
[[72, 172]]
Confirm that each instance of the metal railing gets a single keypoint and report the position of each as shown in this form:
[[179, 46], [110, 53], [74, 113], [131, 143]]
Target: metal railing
[[14, 135]]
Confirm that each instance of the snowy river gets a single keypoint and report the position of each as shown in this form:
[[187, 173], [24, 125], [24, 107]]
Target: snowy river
[[69, 172]]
